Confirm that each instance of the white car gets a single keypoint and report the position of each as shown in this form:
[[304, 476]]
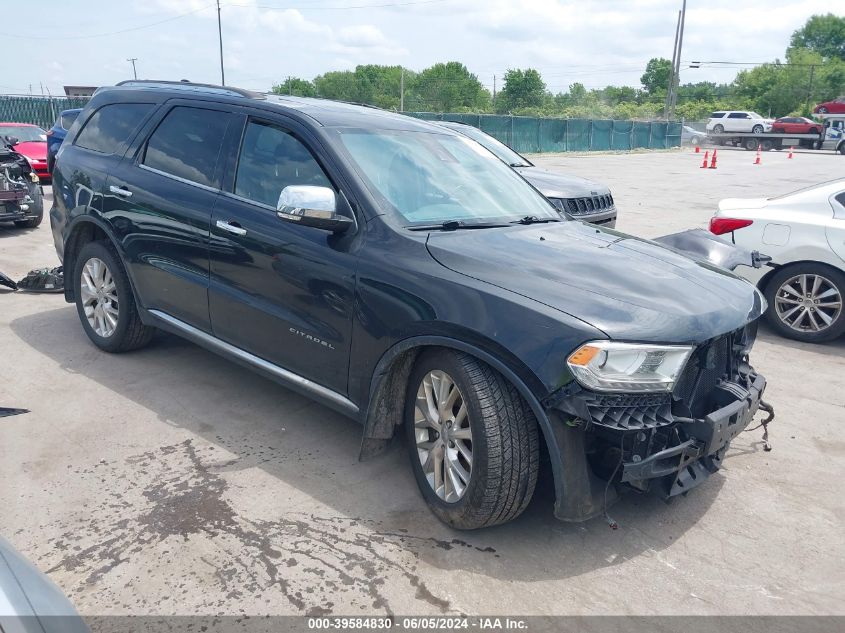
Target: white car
[[804, 234], [738, 121]]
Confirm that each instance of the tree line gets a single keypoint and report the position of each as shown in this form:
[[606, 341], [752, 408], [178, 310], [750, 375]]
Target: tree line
[[813, 70]]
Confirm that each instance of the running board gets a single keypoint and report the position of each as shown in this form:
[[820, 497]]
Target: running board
[[296, 382]]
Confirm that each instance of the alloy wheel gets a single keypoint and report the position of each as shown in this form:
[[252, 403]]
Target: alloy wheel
[[99, 297], [443, 436], [808, 303]]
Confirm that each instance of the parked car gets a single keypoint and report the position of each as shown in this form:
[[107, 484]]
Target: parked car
[[399, 272], [835, 106], [804, 233], [690, 136], [31, 141], [29, 601], [796, 125], [738, 121], [576, 198], [57, 133]]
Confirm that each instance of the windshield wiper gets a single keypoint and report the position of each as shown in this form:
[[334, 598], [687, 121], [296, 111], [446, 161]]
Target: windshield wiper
[[520, 165], [454, 225], [533, 219]]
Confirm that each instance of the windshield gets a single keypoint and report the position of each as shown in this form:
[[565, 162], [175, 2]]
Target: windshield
[[24, 133], [433, 178], [501, 150], [67, 118], [754, 115]]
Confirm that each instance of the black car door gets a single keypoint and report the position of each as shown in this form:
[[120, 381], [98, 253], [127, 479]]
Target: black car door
[[160, 200], [278, 290]]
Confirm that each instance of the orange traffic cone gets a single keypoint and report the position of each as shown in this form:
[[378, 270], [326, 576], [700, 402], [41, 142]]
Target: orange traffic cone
[[790, 152], [706, 156], [757, 160], [697, 149], [713, 160]]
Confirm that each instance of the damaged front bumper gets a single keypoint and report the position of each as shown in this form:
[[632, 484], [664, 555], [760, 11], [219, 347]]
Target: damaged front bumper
[[663, 443]]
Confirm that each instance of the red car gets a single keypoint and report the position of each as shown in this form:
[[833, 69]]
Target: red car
[[836, 106], [31, 142], [795, 125]]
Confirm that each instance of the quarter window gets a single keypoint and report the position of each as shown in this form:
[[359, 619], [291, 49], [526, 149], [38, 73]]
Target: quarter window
[[270, 160], [111, 127], [187, 144]]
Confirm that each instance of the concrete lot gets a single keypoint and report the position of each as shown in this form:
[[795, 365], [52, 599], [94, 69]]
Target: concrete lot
[[170, 481]]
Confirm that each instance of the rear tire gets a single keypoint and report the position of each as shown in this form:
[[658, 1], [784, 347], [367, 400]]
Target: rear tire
[[503, 444], [123, 331], [782, 296]]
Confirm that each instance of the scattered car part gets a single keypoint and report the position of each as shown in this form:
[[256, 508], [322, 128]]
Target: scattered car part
[[43, 280], [6, 411], [7, 281]]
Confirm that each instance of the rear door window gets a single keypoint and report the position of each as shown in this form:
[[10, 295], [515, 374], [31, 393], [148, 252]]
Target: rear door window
[[271, 159], [738, 115], [186, 144], [111, 127]]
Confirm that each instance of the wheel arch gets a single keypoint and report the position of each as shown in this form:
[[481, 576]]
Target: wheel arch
[[763, 282], [83, 229], [385, 407]]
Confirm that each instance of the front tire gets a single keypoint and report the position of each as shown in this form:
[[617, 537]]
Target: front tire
[[757, 129], [473, 441], [719, 129], [822, 111], [104, 300], [806, 302], [38, 205]]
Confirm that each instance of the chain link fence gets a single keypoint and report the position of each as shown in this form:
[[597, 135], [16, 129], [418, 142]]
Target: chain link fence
[[536, 135], [42, 111]]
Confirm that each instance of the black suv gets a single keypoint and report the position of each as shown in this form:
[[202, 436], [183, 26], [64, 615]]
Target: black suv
[[400, 273]]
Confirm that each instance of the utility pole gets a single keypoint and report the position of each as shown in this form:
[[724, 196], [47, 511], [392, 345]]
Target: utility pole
[[678, 65], [671, 85], [402, 90], [290, 87], [494, 86], [132, 61], [220, 38]]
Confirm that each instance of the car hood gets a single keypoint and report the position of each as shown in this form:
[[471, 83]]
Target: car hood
[[629, 288], [555, 185], [32, 149]]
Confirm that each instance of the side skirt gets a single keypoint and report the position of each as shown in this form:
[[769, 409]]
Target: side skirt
[[309, 388]]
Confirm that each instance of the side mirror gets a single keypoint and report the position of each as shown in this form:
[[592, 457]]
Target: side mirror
[[312, 206]]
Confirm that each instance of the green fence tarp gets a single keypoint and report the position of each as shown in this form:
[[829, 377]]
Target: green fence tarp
[[42, 111], [536, 134]]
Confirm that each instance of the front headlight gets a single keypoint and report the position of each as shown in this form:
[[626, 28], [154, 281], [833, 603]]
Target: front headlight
[[633, 367]]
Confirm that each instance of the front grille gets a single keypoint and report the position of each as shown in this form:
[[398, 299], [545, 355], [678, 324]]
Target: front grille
[[629, 411], [585, 205], [708, 364]]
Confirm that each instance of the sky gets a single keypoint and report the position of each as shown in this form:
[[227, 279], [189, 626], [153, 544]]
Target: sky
[[88, 42]]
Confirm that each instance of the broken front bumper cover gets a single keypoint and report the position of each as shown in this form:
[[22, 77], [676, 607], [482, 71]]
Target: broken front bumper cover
[[686, 465], [689, 450]]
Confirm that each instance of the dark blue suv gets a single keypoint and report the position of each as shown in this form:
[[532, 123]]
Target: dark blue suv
[[400, 273]]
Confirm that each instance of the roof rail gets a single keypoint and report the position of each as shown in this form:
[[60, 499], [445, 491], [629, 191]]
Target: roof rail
[[230, 90]]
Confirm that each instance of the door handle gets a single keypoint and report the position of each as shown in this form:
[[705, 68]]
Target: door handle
[[230, 228], [121, 192]]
